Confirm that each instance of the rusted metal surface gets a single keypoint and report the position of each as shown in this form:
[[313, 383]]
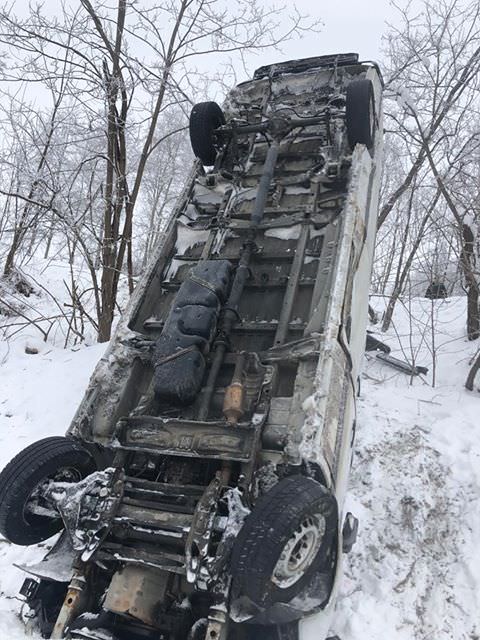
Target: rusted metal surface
[[233, 402], [73, 604], [137, 591]]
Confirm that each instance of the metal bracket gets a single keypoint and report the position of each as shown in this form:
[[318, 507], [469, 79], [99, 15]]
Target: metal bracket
[[198, 540], [303, 349], [88, 507], [185, 438]]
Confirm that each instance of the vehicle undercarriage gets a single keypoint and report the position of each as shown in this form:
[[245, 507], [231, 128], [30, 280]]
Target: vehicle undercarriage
[[200, 487]]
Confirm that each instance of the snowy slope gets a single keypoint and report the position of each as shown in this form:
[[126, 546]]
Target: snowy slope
[[38, 397], [415, 570], [415, 486]]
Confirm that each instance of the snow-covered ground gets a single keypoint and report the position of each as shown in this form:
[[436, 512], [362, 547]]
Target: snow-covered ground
[[415, 485]]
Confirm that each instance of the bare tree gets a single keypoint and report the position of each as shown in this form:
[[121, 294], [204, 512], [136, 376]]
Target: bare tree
[[432, 68], [129, 67], [433, 77]]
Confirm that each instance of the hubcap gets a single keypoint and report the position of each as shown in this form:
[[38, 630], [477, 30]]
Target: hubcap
[[299, 552]]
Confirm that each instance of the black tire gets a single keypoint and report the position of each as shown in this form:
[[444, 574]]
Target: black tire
[[267, 533], [204, 119], [40, 461], [360, 113]]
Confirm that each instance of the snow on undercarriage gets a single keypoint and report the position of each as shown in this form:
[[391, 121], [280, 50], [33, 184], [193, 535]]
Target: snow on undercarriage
[[201, 485]]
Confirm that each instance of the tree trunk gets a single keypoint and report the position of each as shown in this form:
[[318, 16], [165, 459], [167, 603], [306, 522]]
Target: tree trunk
[[467, 259], [22, 227], [402, 275]]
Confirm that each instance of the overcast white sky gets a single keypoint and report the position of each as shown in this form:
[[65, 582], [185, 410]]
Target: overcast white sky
[[349, 26]]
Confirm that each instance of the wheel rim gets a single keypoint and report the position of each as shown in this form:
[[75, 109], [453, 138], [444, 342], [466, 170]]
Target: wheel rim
[[35, 499], [299, 552]]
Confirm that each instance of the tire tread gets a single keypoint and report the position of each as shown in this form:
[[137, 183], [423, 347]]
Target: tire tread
[[266, 529], [34, 460]]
